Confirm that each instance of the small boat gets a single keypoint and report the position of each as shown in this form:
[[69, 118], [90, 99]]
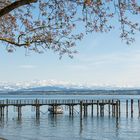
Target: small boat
[[55, 109]]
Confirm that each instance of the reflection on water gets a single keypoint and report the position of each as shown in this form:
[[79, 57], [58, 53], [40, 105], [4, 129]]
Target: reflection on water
[[59, 127], [65, 127]]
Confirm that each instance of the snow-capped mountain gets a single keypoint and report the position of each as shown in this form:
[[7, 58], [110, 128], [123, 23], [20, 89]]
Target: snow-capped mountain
[[39, 85], [44, 85]]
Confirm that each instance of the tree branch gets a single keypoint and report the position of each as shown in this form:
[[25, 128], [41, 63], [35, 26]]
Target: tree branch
[[12, 42], [15, 5]]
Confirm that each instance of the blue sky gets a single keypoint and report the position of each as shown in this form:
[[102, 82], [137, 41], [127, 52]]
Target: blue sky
[[102, 59]]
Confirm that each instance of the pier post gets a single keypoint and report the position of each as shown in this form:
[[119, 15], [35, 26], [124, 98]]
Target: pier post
[[113, 108], [92, 108], [37, 109], [102, 108], [19, 111], [2, 111], [70, 110], [87, 110], [53, 106], [109, 108], [81, 110], [126, 108], [131, 107], [84, 109], [139, 107], [7, 108], [97, 107], [119, 108]]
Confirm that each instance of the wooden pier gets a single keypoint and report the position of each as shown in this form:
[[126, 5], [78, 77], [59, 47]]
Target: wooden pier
[[114, 106]]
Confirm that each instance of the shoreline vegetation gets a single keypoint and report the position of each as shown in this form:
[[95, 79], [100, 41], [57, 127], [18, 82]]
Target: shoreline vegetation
[[73, 92]]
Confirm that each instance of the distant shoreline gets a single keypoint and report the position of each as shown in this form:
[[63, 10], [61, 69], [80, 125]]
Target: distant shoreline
[[73, 92]]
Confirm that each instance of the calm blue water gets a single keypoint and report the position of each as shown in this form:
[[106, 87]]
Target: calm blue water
[[84, 97], [62, 127]]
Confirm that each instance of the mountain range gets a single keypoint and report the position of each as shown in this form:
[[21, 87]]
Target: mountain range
[[53, 85]]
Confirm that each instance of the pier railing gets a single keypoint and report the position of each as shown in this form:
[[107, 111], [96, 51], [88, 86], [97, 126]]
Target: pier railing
[[51, 102]]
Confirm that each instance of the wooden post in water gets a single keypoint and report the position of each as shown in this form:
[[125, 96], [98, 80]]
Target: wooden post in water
[[87, 109], [0, 111], [114, 109], [19, 111], [3, 111], [53, 106], [139, 107], [84, 109], [6, 107], [72, 109], [92, 108], [131, 107], [69, 110], [97, 107], [109, 108], [102, 108], [119, 108], [113, 113], [38, 109], [126, 108], [81, 110]]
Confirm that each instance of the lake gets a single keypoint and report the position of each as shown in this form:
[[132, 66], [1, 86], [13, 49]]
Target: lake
[[62, 126]]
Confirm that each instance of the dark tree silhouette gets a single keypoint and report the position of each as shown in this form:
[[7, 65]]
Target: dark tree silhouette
[[39, 25]]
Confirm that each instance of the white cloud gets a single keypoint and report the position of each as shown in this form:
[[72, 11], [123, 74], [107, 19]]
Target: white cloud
[[127, 58], [117, 68], [27, 66]]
